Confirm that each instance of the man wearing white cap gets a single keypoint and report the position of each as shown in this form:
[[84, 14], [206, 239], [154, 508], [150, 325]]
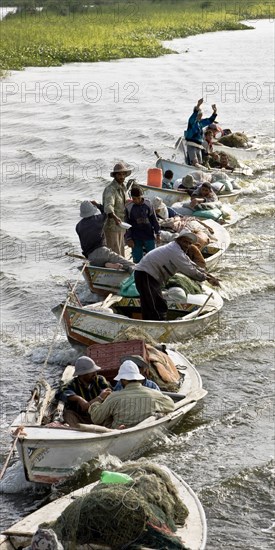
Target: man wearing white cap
[[114, 200], [154, 270], [85, 388], [133, 404], [92, 239]]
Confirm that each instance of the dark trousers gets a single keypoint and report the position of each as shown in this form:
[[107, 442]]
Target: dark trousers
[[153, 305]]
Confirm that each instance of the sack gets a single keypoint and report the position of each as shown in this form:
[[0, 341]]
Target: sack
[[128, 287], [213, 214]]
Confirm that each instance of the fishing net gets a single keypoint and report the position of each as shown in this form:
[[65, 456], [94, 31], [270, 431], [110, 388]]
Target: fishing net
[[143, 511], [135, 333], [236, 139], [188, 285]]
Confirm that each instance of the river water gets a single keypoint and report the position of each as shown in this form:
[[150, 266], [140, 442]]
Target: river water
[[63, 129]]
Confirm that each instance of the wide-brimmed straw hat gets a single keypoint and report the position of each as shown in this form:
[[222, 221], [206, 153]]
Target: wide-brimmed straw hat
[[85, 365], [128, 371], [187, 235], [121, 167]]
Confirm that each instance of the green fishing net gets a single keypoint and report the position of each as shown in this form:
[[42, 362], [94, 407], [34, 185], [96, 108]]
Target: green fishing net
[[143, 512], [188, 285]]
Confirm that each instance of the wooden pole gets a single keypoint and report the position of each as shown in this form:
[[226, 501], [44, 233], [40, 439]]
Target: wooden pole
[[76, 256], [20, 429]]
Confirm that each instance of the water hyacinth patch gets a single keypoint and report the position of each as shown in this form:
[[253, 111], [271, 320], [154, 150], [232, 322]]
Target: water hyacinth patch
[[39, 39]]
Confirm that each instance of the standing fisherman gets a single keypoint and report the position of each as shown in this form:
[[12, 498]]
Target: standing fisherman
[[114, 200]]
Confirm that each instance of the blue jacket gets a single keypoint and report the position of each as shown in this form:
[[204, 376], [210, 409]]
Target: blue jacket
[[195, 127], [147, 383], [143, 220]]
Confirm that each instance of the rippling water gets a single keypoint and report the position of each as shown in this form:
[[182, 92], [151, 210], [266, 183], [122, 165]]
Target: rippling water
[[63, 129]]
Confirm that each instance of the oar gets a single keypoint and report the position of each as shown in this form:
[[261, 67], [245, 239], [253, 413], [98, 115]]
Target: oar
[[203, 306], [20, 429], [74, 293]]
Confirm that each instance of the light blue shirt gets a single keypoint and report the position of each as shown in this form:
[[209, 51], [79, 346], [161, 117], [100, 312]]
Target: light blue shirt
[[147, 383]]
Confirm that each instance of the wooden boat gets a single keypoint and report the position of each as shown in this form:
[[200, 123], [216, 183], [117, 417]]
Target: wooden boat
[[240, 154], [180, 169], [52, 452], [104, 280], [87, 325], [193, 534], [169, 196]]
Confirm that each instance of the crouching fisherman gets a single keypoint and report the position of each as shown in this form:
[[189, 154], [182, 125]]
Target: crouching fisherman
[[92, 239], [85, 388], [154, 270], [135, 403]]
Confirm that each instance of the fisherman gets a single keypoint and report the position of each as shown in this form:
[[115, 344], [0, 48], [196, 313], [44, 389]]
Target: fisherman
[[163, 212], [167, 180], [186, 183], [135, 403], [154, 270], [144, 231], [92, 239], [143, 369], [85, 388], [202, 195], [194, 133], [114, 200], [189, 246]]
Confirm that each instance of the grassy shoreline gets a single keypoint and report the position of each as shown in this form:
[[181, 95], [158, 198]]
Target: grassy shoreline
[[114, 32]]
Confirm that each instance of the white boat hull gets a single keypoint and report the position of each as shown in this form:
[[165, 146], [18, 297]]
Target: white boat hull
[[180, 169], [169, 196], [87, 326], [50, 454]]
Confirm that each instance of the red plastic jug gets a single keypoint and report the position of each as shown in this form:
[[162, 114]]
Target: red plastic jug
[[154, 177]]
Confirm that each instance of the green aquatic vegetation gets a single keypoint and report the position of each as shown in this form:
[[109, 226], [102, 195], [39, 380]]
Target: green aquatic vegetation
[[113, 31]]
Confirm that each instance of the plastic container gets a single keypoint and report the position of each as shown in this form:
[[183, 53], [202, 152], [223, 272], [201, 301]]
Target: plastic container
[[125, 225], [114, 477], [154, 177]]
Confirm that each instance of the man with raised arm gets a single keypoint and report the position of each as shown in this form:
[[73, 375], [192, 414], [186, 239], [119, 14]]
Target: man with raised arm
[[194, 133]]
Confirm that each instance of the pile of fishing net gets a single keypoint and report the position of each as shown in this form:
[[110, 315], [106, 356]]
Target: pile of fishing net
[[236, 139], [135, 333], [188, 285], [141, 512]]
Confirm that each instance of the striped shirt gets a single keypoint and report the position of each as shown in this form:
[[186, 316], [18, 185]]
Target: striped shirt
[[76, 387], [130, 406]]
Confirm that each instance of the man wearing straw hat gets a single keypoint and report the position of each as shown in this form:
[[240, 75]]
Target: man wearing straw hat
[[114, 200]]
